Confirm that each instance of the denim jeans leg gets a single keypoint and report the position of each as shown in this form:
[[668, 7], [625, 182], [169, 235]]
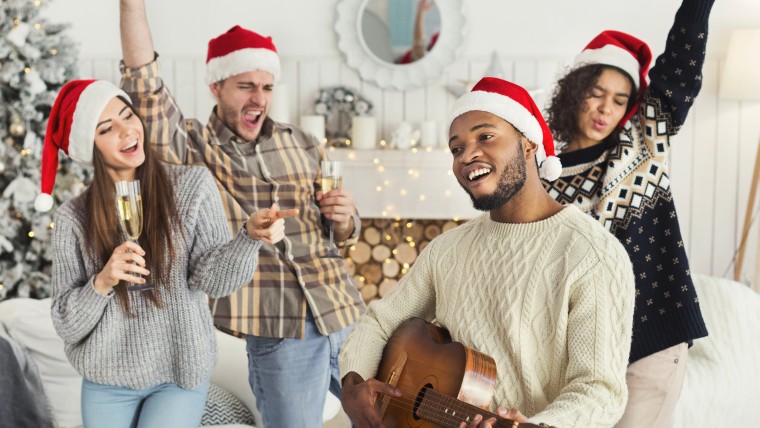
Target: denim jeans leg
[[336, 343], [169, 406], [166, 405], [290, 378], [109, 406]]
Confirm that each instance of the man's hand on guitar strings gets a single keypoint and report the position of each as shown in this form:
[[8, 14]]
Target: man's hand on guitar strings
[[358, 398]]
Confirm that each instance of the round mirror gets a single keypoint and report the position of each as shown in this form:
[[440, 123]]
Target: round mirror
[[399, 44], [400, 32]]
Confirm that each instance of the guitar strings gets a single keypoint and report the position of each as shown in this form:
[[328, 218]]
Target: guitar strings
[[444, 415], [406, 406], [440, 403]]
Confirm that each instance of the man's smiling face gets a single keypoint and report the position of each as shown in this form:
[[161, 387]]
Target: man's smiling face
[[488, 158]]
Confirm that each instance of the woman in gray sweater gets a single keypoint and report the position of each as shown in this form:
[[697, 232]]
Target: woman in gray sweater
[[146, 356]]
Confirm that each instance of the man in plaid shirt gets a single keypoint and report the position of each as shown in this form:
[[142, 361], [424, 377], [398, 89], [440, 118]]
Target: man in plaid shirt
[[300, 305]]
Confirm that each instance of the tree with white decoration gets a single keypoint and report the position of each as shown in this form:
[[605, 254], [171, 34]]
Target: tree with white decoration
[[36, 59]]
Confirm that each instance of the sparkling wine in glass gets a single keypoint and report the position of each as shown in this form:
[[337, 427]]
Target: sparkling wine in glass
[[332, 178], [129, 207]]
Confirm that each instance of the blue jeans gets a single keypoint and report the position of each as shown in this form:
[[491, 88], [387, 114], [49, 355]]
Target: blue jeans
[[290, 377], [164, 406]]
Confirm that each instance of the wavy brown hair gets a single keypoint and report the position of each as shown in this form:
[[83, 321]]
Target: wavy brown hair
[[569, 97], [160, 220]]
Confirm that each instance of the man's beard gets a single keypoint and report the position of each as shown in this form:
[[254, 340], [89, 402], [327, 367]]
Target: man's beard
[[510, 182]]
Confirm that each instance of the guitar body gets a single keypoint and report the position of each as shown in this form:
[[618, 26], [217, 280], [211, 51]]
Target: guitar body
[[421, 360]]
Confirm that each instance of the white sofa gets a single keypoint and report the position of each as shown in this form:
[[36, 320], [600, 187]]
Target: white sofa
[[721, 386], [723, 373], [27, 323]]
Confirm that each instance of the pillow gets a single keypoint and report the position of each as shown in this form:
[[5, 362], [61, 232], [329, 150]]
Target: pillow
[[28, 322], [222, 408]]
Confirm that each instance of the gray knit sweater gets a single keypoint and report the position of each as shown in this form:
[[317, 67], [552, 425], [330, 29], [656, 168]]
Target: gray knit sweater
[[175, 344]]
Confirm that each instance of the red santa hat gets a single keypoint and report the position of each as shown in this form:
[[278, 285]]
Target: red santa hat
[[71, 128], [623, 51], [515, 105], [238, 51]]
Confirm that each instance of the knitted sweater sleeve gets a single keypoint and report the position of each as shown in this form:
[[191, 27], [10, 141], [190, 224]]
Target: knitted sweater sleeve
[[218, 265], [599, 341], [414, 296], [76, 307], [676, 75], [165, 125]]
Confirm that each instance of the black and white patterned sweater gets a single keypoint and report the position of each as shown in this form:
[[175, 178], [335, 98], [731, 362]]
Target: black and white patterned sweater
[[627, 188]]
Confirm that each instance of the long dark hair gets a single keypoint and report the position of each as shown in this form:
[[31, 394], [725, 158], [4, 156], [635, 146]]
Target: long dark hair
[[568, 99], [160, 220]]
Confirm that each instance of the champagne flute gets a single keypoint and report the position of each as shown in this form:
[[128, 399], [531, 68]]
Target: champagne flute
[[332, 178], [129, 207]]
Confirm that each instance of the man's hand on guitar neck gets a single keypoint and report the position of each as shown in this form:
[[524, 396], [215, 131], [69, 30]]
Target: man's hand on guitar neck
[[359, 397], [478, 421]]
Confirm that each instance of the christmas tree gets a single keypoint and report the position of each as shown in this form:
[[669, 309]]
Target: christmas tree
[[36, 59]]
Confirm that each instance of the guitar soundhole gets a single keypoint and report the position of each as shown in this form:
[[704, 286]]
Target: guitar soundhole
[[418, 400]]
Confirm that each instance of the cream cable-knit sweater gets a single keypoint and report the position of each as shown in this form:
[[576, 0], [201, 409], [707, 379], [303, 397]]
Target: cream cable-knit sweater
[[550, 301], [174, 344]]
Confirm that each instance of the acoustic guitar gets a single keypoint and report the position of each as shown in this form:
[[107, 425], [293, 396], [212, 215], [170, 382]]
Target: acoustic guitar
[[443, 383]]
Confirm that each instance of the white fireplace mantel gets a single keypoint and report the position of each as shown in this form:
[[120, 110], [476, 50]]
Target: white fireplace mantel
[[403, 183]]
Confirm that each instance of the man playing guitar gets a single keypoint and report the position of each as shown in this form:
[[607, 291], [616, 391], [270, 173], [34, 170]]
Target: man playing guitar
[[542, 289]]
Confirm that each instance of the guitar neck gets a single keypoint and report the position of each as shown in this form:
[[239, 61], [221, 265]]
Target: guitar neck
[[449, 412]]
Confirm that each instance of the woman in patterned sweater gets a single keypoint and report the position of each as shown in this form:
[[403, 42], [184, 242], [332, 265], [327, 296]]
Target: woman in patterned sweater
[[146, 356], [614, 133]]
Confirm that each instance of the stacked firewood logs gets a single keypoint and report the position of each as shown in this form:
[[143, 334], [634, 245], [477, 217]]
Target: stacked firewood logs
[[386, 250]]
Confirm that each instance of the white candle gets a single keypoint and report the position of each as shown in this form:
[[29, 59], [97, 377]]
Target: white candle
[[402, 136], [429, 134], [363, 132], [314, 124], [279, 109]]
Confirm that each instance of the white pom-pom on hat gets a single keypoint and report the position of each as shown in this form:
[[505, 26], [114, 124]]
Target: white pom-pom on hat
[[551, 168], [43, 202]]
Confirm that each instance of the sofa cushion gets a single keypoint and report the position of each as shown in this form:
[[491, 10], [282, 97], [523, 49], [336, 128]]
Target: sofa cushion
[[29, 323]]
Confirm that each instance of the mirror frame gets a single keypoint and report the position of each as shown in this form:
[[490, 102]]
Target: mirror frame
[[399, 76]]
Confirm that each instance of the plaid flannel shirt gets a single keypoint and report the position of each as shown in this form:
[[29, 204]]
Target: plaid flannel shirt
[[282, 165]]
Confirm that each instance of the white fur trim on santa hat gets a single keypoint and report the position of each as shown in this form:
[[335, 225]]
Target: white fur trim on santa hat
[[90, 106], [507, 109], [611, 55], [241, 61]]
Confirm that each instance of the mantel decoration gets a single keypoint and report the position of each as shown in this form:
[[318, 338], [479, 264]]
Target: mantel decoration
[[339, 104]]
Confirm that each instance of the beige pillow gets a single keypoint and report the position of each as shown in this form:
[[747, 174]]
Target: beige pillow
[[29, 323]]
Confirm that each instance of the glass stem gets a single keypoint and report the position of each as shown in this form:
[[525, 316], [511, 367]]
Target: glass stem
[[332, 245], [135, 273]]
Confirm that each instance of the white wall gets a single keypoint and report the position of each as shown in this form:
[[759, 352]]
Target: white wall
[[304, 27], [712, 159]]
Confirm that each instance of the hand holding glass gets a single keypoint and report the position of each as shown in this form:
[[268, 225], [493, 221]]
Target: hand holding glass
[[129, 207], [332, 178]]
